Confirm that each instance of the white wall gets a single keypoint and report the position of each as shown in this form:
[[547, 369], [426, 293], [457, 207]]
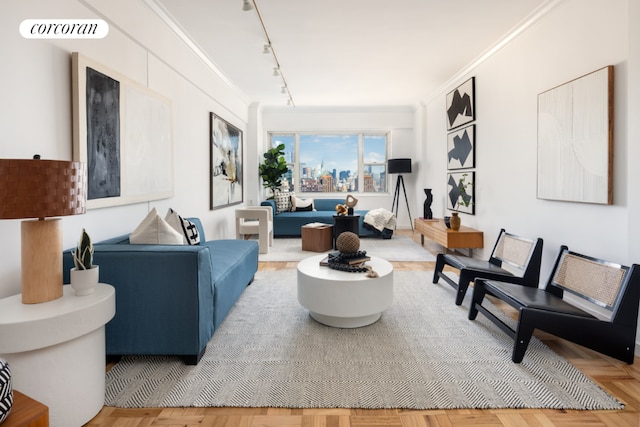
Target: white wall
[[36, 112], [572, 39], [399, 121], [575, 38]]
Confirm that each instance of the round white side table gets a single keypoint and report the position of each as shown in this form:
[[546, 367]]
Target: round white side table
[[56, 351], [341, 299]]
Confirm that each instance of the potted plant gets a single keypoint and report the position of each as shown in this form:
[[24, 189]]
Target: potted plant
[[273, 168], [84, 276]]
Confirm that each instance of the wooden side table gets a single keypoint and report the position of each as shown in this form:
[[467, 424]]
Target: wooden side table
[[317, 237], [342, 223], [436, 230], [27, 412]]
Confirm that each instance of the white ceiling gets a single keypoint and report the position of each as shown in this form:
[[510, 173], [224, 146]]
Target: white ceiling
[[346, 52]]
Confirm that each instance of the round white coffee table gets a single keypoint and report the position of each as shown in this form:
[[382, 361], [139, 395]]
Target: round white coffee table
[[341, 299]]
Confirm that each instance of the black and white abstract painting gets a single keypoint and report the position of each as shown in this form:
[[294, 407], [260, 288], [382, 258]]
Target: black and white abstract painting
[[461, 148], [103, 135], [461, 105], [123, 131], [460, 192]]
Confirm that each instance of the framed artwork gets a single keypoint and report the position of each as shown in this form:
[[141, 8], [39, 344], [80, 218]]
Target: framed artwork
[[575, 140], [461, 105], [461, 148], [461, 192], [123, 132], [226, 163]]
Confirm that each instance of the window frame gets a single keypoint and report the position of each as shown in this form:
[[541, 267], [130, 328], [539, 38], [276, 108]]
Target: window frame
[[295, 165]]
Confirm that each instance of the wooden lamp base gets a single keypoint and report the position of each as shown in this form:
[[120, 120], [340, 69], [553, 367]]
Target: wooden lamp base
[[41, 260]]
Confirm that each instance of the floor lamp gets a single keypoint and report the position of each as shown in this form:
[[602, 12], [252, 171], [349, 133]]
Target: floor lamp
[[400, 166], [41, 189]]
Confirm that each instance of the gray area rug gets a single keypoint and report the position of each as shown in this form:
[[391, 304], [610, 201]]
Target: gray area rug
[[422, 354], [398, 248]]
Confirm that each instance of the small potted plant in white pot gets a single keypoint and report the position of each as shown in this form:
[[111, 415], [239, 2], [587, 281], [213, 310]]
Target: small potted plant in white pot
[[84, 277]]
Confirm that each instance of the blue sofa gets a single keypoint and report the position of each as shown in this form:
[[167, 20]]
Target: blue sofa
[[170, 299], [289, 224]]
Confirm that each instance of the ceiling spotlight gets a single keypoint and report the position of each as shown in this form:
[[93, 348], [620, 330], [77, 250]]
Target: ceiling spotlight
[[246, 5], [283, 90], [276, 71], [267, 48], [289, 101]]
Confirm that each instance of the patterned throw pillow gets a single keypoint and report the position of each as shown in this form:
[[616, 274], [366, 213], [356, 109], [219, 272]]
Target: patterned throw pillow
[[183, 226], [6, 390], [299, 205], [283, 201]]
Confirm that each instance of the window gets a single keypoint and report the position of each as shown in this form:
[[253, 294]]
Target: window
[[335, 162], [375, 163]]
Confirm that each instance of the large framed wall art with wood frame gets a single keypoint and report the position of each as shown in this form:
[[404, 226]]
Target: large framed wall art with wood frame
[[226, 177], [575, 140], [461, 107], [123, 131]]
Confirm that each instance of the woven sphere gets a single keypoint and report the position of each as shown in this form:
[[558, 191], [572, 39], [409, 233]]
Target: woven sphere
[[348, 242]]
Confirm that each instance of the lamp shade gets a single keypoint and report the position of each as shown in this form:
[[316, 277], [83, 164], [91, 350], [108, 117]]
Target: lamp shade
[[399, 166], [34, 188]]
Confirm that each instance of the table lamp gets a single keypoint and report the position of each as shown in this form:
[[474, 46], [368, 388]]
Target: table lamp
[[34, 188]]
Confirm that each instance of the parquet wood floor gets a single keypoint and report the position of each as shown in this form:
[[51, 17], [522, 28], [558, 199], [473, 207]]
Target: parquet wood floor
[[620, 379]]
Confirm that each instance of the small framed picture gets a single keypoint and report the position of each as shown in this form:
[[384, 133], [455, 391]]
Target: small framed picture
[[461, 192], [461, 148], [461, 105]]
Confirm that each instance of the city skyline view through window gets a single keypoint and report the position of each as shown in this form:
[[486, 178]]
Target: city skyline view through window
[[334, 162]]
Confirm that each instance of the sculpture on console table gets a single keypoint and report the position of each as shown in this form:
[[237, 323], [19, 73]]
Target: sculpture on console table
[[428, 214], [350, 202]]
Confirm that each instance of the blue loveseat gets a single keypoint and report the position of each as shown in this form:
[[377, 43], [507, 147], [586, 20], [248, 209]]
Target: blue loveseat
[[170, 299], [289, 224]]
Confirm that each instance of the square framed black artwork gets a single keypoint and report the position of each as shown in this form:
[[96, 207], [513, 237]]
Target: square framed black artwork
[[461, 148], [461, 105], [461, 192]]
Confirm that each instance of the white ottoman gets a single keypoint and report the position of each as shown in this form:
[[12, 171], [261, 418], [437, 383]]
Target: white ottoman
[[342, 299]]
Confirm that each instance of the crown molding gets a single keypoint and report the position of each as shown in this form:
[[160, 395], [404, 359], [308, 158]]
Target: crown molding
[[535, 16]]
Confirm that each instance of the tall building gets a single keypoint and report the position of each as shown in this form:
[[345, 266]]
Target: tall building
[[328, 185], [369, 184]]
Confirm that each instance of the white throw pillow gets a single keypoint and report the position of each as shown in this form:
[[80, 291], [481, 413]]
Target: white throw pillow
[[155, 230], [301, 204], [183, 226]]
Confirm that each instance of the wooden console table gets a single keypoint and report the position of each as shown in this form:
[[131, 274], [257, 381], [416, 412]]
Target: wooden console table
[[434, 229]]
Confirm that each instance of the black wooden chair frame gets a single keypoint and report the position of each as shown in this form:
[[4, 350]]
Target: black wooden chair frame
[[471, 268], [546, 310]]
